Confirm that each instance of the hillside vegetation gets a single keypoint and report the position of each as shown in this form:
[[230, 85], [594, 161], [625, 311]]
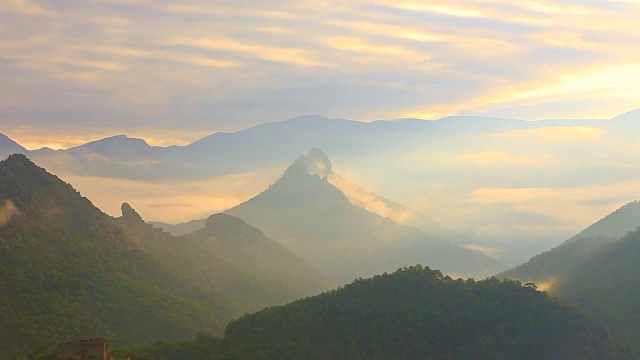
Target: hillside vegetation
[[413, 313]]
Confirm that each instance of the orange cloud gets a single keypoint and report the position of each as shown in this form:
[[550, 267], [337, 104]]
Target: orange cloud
[[491, 157]]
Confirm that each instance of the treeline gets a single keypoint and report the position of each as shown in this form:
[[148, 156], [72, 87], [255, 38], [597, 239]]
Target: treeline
[[413, 313]]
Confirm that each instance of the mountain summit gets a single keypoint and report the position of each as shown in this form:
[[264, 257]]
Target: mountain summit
[[315, 163], [316, 219]]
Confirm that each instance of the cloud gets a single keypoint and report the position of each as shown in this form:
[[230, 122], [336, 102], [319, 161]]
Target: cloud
[[491, 157], [163, 65], [295, 56], [571, 208], [371, 201], [559, 133], [487, 250], [8, 211]]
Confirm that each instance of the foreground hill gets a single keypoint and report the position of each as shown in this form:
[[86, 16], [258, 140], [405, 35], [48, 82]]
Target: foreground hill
[[413, 313], [67, 270], [230, 257], [315, 219], [598, 272]]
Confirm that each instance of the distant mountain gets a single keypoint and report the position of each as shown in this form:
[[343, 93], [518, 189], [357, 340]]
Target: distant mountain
[[67, 270], [113, 157], [315, 219], [616, 224], [8, 147], [550, 268], [597, 270], [180, 228], [119, 146], [445, 168], [231, 258], [225, 153], [413, 313], [317, 163]]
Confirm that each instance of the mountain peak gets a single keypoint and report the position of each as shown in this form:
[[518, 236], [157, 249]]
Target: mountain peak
[[119, 146], [130, 215], [18, 159], [315, 162]]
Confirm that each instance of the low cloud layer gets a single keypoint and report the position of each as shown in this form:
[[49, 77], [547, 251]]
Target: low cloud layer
[[171, 202]]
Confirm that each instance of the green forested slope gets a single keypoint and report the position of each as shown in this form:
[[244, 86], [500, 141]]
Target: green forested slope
[[413, 313], [600, 276], [67, 270], [597, 271]]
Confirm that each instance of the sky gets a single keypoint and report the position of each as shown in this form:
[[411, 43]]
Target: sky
[[173, 72]]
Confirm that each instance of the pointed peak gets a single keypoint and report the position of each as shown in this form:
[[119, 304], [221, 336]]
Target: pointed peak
[[118, 139], [130, 215], [18, 159], [20, 163], [315, 162]]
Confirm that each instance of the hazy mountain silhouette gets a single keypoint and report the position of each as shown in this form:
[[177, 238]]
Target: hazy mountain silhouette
[[230, 257], [442, 163], [223, 153], [8, 147], [180, 229], [315, 219], [616, 224], [119, 146]]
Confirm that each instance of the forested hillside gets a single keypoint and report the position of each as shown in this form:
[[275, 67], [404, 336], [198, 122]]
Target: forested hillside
[[413, 313], [599, 277], [67, 270]]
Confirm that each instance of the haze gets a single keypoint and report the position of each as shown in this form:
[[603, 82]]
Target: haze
[[76, 71]]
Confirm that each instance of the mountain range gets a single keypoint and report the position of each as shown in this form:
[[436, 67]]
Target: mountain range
[[227, 152], [462, 171]]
